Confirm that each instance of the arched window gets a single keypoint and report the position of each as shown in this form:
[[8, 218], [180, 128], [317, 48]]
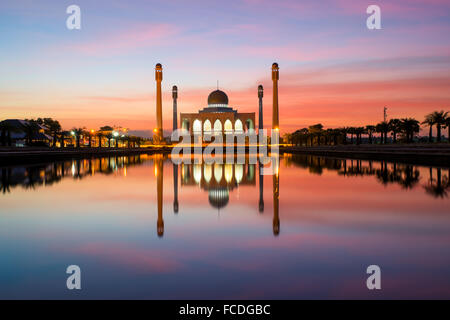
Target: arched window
[[238, 126], [218, 126], [228, 172], [185, 124], [249, 125], [207, 172], [239, 172], [218, 172], [197, 126], [197, 173], [228, 126], [207, 126]]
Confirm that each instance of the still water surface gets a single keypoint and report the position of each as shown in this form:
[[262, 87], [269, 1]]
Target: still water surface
[[140, 227]]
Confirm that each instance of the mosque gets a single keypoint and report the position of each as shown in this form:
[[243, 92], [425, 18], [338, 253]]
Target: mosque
[[217, 117], [218, 180]]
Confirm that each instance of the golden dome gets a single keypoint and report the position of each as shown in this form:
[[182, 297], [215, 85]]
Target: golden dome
[[217, 98]]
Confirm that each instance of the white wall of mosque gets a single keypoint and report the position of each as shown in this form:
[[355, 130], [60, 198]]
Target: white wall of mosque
[[227, 126], [218, 173]]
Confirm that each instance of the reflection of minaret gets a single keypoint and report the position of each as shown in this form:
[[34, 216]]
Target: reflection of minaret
[[175, 96], [275, 77], [276, 198], [159, 129], [175, 188], [159, 186], [261, 188], [260, 96]]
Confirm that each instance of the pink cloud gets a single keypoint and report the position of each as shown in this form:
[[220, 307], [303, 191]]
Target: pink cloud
[[136, 37]]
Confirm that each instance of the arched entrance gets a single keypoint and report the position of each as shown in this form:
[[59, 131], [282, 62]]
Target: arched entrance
[[197, 127], [228, 126], [238, 126], [185, 125], [249, 125], [217, 126], [207, 126]]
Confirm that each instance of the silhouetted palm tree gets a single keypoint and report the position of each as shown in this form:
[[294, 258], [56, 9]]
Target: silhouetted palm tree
[[395, 127], [383, 129], [54, 128], [370, 131], [409, 127], [429, 121], [439, 119], [78, 132]]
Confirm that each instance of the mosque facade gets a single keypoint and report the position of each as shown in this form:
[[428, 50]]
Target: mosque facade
[[217, 118]]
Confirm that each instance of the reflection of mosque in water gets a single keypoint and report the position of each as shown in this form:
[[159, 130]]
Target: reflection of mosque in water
[[218, 179]]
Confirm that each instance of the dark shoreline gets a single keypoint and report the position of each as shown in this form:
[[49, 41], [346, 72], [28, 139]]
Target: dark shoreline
[[418, 154], [33, 155]]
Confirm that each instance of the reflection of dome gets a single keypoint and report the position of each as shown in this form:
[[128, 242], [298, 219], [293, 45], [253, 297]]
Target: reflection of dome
[[217, 98], [218, 197]]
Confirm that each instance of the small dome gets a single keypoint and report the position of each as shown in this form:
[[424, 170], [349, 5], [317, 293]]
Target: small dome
[[275, 65], [218, 197], [158, 65], [217, 97]]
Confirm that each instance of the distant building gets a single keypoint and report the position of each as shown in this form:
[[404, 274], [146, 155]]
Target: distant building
[[20, 132]]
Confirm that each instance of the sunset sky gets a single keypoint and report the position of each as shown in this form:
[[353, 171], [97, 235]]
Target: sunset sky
[[333, 70]]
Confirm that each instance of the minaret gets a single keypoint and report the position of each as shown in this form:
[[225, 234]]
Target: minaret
[[260, 96], [159, 190], [158, 132], [275, 78], [175, 96], [276, 199], [175, 188], [261, 188]]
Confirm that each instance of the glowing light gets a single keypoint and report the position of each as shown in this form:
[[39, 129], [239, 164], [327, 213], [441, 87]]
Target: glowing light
[[228, 172], [92, 131], [239, 172], [72, 133], [115, 134], [207, 172], [197, 173], [218, 172]]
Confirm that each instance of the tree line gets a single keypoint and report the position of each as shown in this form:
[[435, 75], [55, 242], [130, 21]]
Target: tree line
[[106, 136], [401, 130]]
